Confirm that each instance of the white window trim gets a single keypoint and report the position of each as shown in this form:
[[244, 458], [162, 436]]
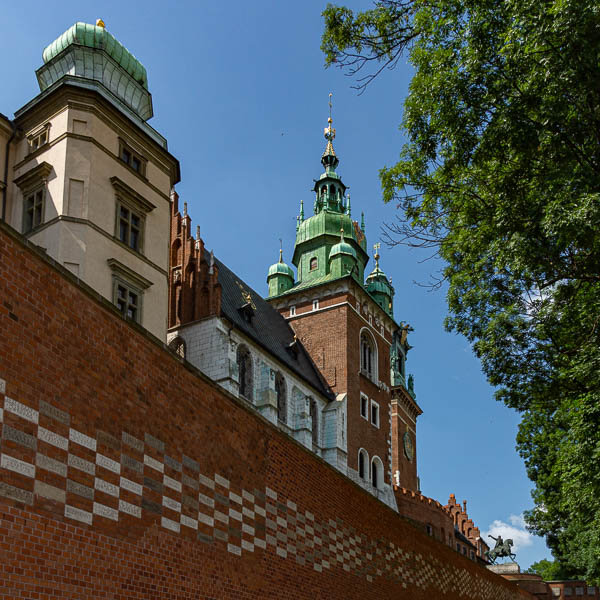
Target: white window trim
[[363, 396], [293, 311], [374, 376], [380, 472], [315, 305], [376, 405], [367, 476]]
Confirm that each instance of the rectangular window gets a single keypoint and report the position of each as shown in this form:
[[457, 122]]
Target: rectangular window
[[579, 591], [38, 139], [374, 413], [33, 210], [292, 311], [127, 300], [568, 591], [591, 590], [132, 159], [315, 305], [130, 228], [364, 407]]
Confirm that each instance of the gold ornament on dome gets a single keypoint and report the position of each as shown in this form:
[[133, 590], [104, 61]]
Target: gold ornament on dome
[[100, 23]]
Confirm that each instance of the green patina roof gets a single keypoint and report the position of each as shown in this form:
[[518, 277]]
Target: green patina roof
[[342, 247], [93, 36], [377, 281], [280, 268]]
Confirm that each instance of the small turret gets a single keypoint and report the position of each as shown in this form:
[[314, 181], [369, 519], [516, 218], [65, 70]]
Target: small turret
[[379, 287], [280, 277], [342, 258]]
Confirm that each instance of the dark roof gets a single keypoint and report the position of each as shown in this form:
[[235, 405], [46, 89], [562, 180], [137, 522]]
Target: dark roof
[[461, 537], [266, 327]]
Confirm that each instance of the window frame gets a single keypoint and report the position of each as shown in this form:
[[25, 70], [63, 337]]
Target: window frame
[[364, 402], [123, 205], [281, 397], [366, 476], [244, 350], [377, 472], [126, 197], [128, 278], [315, 304], [374, 405], [310, 263], [293, 310], [369, 367], [124, 147], [119, 282], [33, 193], [36, 136]]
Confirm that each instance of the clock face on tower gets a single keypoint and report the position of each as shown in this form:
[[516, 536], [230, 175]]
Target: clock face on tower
[[408, 446]]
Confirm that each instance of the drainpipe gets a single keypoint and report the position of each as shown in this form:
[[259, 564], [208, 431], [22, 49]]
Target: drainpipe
[[5, 181]]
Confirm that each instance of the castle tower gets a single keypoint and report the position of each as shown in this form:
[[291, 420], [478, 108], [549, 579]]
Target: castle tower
[[347, 326], [90, 179]]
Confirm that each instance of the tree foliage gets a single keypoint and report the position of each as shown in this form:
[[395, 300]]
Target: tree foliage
[[551, 570], [500, 176]]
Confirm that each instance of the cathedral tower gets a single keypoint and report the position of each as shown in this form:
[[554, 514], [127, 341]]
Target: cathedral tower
[[347, 326]]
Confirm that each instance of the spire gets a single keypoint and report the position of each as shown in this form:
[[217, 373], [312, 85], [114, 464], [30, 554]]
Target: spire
[[348, 210], [376, 255], [301, 210], [362, 222], [280, 250], [329, 160]]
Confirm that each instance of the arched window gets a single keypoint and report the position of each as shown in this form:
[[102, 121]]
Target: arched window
[[313, 263], [280, 390], [377, 473], [176, 253], [244, 362], [177, 345], [332, 190], [363, 464], [314, 418], [368, 355]]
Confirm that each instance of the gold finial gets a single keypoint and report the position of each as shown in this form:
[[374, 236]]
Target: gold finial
[[329, 130], [280, 250], [376, 256], [100, 23]]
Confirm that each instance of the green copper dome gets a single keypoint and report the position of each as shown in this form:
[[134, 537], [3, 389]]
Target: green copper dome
[[342, 247], [378, 285], [94, 36], [280, 268]]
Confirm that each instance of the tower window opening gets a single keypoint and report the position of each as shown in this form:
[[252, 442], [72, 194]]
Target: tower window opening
[[177, 345], [363, 462], [313, 263], [34, 211], [377, 473], [244, 362], [367, 355]]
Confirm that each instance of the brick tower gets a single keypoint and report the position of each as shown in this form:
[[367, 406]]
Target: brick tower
[[347, 325]]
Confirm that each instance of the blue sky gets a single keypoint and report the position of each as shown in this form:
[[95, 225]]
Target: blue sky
[[240, 92]]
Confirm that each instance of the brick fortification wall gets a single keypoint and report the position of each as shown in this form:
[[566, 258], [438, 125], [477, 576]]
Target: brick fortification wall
[[124, 474]]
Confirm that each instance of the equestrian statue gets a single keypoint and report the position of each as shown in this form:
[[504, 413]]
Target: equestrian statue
[[502, 548]]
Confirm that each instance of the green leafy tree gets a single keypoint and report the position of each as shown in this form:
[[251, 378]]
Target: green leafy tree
[[551, 570], [500, 176]]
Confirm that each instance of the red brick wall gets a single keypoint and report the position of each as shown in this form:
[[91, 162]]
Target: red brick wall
[[125, 474]]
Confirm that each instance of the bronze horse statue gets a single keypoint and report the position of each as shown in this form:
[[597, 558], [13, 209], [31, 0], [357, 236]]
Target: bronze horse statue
[[501, 549]]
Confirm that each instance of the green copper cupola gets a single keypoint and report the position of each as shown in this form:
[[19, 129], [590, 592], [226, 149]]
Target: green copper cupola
[[280, 277], [316, 236], [380, 287], [89, 52]]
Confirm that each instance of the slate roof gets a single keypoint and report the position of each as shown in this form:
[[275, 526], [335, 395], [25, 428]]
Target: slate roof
[[267, 327]]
